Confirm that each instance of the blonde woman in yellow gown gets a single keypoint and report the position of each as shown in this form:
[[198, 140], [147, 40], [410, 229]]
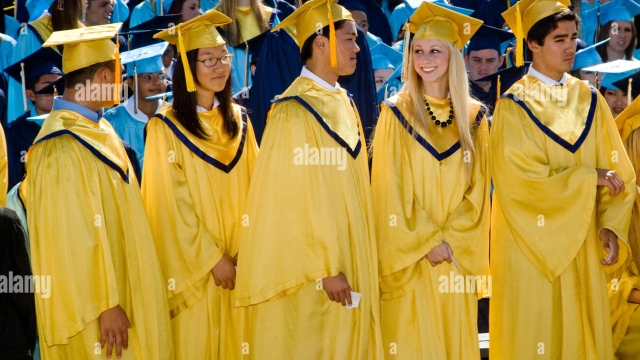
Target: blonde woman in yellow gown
[[199, 158], [431, 186]]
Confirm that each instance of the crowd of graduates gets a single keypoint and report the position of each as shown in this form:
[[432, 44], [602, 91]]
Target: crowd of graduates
[[321, 179]]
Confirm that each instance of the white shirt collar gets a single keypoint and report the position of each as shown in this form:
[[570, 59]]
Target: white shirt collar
[[140, 116], [306, 73], [215, 104], [545, 79]]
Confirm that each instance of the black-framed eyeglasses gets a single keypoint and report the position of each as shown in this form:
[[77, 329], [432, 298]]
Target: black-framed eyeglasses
[[211, 62]]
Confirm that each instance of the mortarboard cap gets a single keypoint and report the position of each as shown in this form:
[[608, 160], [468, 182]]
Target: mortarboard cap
[[621, 10], [631, 83], [312, 16], [616, 71], [524, 14], [384, 57], [197, 33], [588, 56], [629, 119], [142, 34], [488, 37], [146, 59], [55, 88], [164, 96], [503, 79]]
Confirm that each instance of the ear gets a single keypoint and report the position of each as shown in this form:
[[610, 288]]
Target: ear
[[501, 60], [320, 42], [533, 46], [466, 59], [30, 95]]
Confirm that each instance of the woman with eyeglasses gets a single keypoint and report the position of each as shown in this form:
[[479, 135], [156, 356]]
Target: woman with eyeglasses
[[146, 77], [199, 157]]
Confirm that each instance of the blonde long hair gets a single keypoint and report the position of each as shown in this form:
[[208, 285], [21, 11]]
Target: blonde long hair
[[232, 30], [632, 143], [460, 97]]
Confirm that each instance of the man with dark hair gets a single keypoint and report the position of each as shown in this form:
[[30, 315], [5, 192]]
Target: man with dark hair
[[307, 262], [87, 225], [564, 189]]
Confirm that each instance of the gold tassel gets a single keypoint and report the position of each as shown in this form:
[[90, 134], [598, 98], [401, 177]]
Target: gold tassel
[[499, 85], [519, 38], [386, 91], [629, 88], [405, 56], [118, 75], [246, 65], [191, 86], [61, 5], [332, 37], [508, 4], [24, 88], [55, 91]]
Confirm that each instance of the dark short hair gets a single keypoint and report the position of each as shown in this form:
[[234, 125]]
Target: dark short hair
[[81, 76], [307, 47], [545, 26]]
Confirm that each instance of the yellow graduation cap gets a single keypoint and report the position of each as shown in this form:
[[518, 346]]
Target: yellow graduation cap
[[313, 16], [197, 33], [525, 13], [629, 119], [431, 21], [87, 46]]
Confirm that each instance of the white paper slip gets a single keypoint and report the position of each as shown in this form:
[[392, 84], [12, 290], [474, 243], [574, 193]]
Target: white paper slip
[[355, 300], [455, 262]]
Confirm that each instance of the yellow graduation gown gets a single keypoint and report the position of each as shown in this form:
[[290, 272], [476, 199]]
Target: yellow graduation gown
[[89, 233], [549, 289], [195, 192], [421, 199], [311, 217], [4, 169]]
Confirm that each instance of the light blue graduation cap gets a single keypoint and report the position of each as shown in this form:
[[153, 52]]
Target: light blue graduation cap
[[164, 96], [588, 56], [615, 71], [38, 119], [147, 59], [384, 57], [35, 8], [621, 10]]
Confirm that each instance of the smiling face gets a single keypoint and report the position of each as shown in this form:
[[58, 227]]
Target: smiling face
[[556, 56], [212, 79], [190, 9], [483, 63], [430, 60], [617, 100], [99, 12], [621, 33], [150, 84]]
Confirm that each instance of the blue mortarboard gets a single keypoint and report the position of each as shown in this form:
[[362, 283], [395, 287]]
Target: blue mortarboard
[[147, 59], [56, 87], [588, 56], [464, 11], [630, 84], [42, 62], [622, 10], [507, 77], [37, 7], [384, 57], [142, 34], [488, 37], [354, 5], [378, 22]]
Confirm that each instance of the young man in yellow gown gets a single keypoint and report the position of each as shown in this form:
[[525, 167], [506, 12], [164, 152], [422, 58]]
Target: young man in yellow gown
[[90, 238], [195, 186], [309, 247], [564, 188], [431, 187]]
